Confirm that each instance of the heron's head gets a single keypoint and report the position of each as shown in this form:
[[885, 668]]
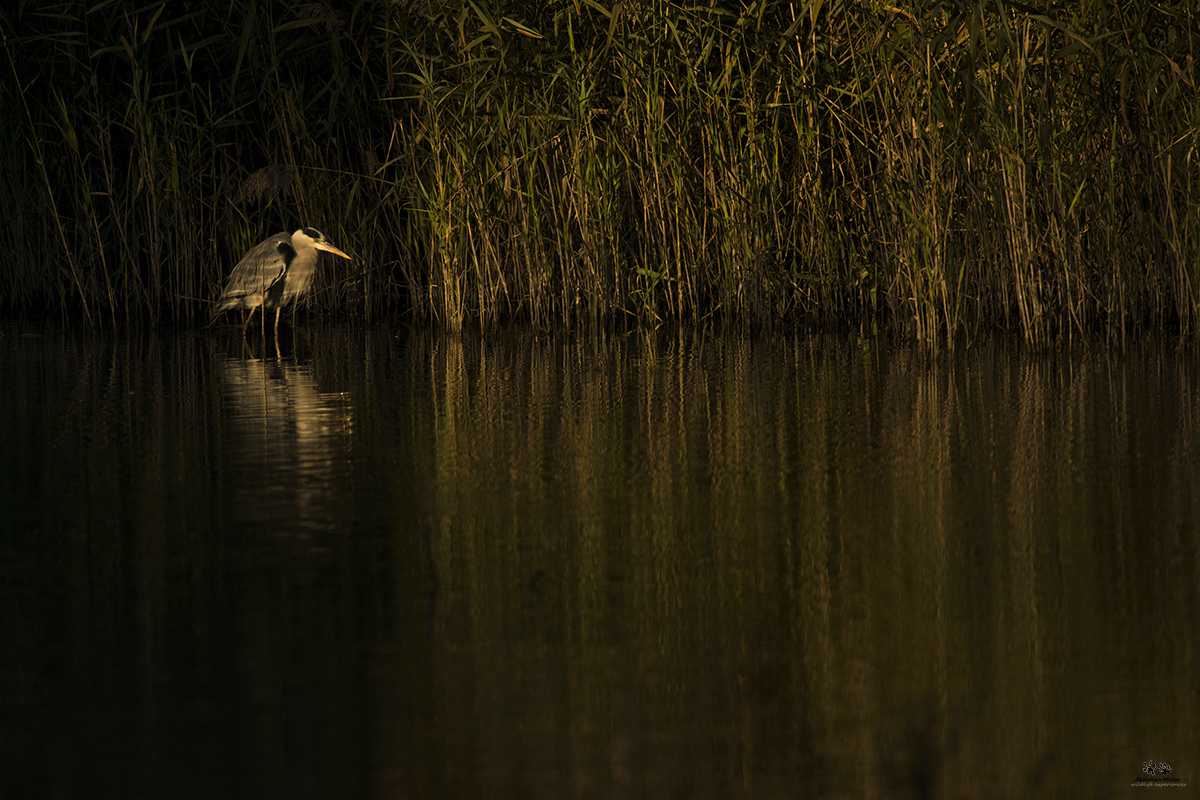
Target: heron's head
[[317, 240]]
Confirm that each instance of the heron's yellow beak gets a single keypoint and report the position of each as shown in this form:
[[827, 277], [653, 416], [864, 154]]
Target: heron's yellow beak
[[328, 248]]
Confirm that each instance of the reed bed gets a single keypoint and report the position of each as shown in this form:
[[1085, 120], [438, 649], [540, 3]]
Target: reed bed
[[939, 166]]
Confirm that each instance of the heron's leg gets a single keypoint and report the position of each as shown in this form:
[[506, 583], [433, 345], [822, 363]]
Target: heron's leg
[[277, 310], [246, 327]]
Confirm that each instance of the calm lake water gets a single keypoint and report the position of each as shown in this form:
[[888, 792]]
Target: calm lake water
[[392, 564]]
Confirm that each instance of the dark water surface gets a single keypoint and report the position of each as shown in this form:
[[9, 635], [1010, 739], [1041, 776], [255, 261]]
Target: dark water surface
[[406, 565]]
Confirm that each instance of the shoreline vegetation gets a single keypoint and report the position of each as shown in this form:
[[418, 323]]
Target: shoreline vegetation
[[937, 166]]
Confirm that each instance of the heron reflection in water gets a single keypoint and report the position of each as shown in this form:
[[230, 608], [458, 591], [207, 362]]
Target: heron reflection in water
[[274, 273]]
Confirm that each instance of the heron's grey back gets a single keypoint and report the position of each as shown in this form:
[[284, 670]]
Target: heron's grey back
[[254, 277]]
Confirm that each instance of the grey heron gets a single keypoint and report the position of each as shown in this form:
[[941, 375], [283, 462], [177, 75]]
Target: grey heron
[[274, 273]]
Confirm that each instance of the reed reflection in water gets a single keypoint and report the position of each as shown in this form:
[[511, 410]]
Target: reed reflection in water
[[403, 564]]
